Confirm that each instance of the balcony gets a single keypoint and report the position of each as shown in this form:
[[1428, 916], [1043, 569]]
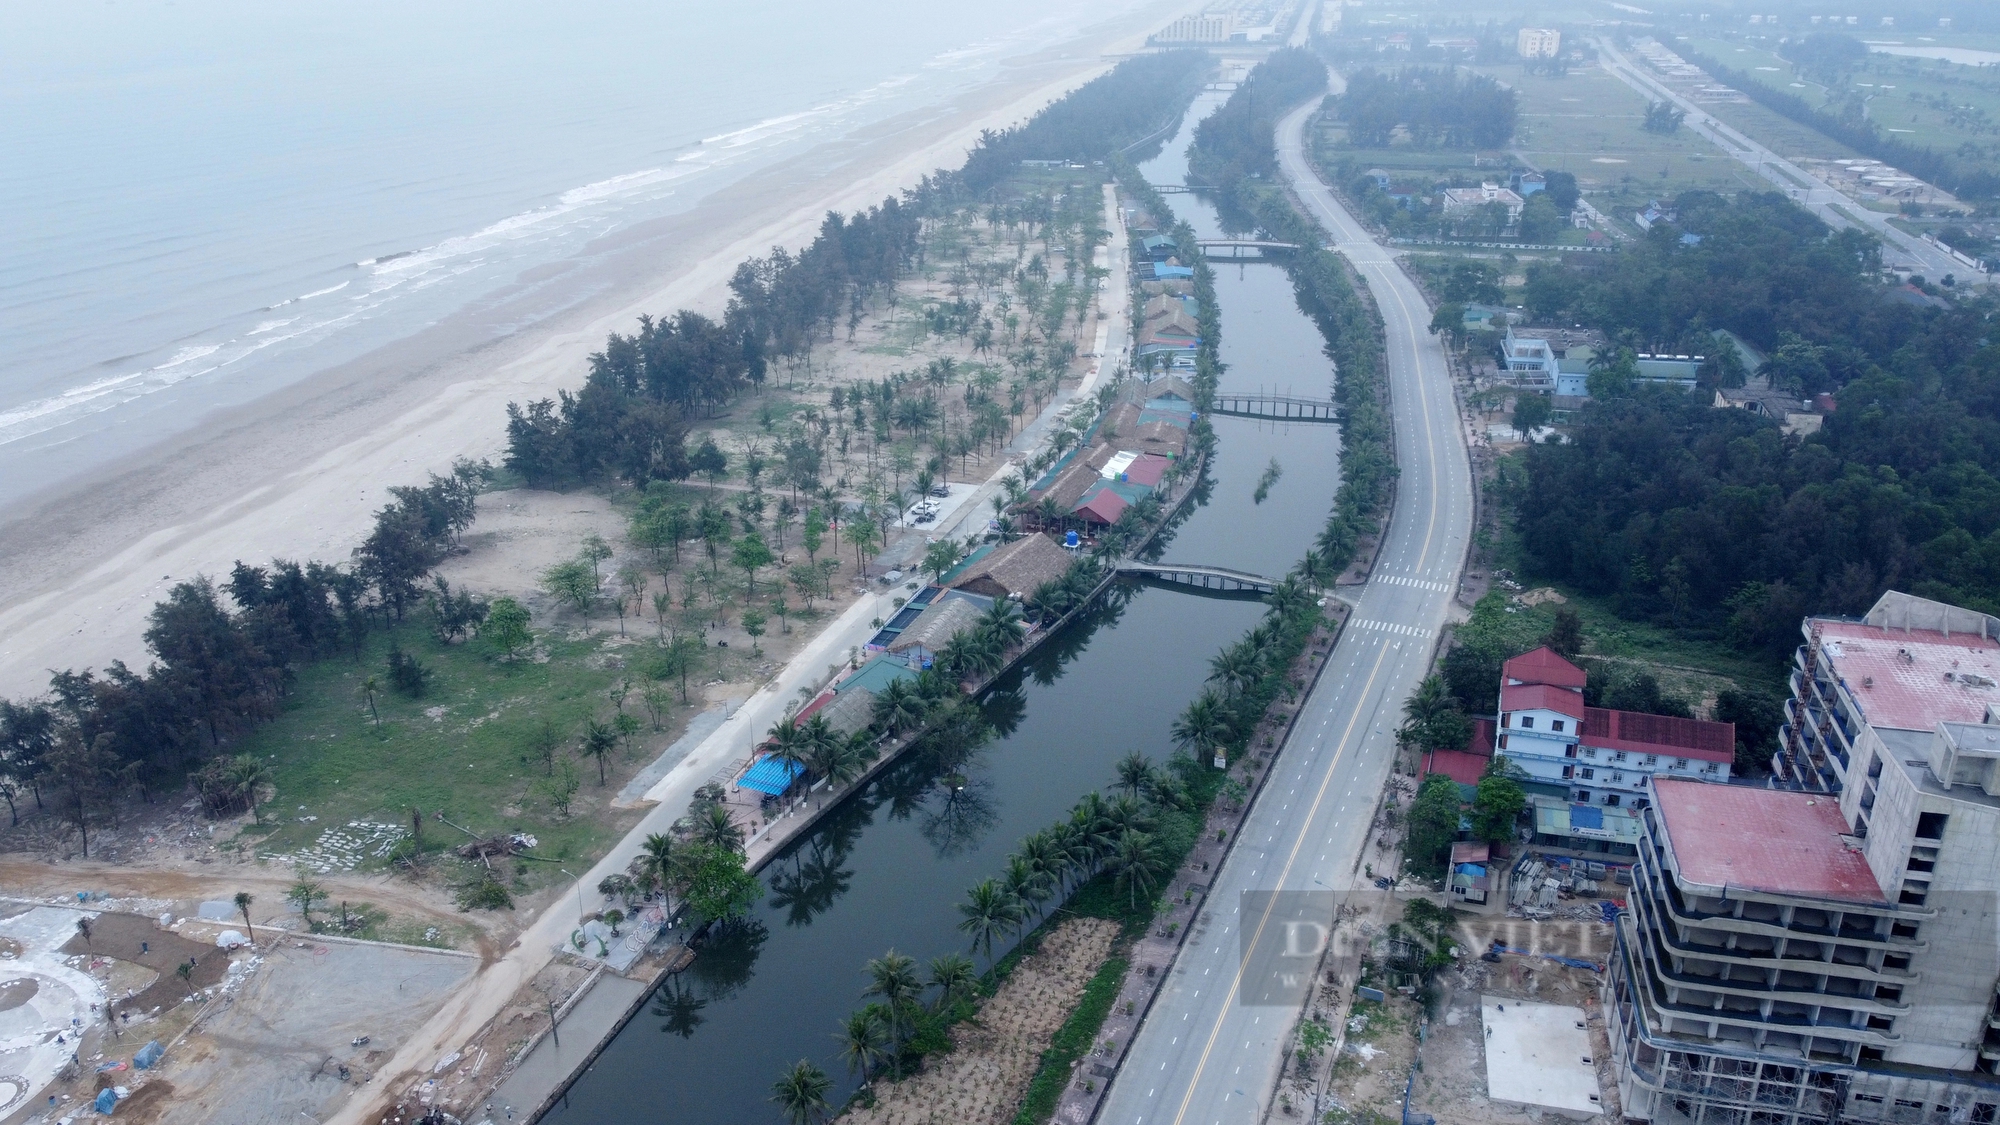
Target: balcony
[[1677, 908]]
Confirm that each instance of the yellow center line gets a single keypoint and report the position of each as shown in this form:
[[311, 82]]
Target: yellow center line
[[1346, 735]]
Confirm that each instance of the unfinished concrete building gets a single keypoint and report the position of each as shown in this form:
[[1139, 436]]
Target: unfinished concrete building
[[1828, 950]]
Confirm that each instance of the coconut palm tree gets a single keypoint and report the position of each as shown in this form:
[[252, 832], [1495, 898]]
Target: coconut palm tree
[[243, 901], [247, 773], [1125, 814], [656, 859], [788, 742], [801, 1093], [717, 828], [954, 978], [1028, 887], [899, 707], [893, 977], [1203, 727], [1135, 773], [988, 913], [861, 1037], [1002, 622], [1237, 668], [1136, 865]]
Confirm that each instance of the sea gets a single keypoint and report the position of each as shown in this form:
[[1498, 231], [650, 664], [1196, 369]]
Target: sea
[[204, 201]]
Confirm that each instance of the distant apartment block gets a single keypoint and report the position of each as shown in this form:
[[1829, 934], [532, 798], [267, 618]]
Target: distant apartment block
[[1602, 756], [1205, 28], [1538, 42], [1825, 949]]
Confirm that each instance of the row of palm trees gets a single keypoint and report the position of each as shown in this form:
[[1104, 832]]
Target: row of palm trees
[[1245, 677]]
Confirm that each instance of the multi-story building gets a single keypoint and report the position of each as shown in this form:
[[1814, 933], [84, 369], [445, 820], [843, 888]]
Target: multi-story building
[[1601, 755], [1828, 949], [1538, 42], [1208, 27]]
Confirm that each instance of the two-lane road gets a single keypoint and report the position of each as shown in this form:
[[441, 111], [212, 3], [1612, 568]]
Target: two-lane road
[[1209, 1051]]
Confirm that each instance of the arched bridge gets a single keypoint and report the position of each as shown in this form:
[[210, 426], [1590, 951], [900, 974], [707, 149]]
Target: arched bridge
[[1219, 578], [1286, 408]]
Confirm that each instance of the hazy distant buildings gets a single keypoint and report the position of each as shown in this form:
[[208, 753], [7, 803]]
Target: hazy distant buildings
[[1209, 27], [1538, 42]]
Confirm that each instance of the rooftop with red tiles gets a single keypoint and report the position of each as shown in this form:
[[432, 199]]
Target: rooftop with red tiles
[[1542, 666], [1541, 697], [1767, 841], [1913, 679], [1639, 733]]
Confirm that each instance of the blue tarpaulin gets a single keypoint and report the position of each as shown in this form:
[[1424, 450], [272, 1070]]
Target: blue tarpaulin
[[1586, 816], [771, 775], [148, 1055], [107, 1100]]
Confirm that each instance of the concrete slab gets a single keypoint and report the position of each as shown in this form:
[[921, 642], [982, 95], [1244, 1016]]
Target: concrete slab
[[698, 729], [1539, 1055], [44, 1000]]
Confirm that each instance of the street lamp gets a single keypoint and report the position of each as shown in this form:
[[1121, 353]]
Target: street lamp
[[580, 912]]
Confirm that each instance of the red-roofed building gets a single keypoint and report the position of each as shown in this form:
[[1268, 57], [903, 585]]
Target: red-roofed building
[[1543, 666], [1602, 756], [1104, 507]]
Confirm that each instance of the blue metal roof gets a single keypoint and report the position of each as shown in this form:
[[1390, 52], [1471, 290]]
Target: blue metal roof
[[1586, 816], [771, 775]]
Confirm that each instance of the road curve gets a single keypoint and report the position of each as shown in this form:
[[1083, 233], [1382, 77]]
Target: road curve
[[1209, 1051]]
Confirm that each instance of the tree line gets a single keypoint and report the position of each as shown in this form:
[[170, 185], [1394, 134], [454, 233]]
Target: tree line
[[224, 658], [1950, 171], [1436, 108]]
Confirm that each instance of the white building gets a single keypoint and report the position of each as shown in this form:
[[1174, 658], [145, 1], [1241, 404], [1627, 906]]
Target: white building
[[1208, 27], [1538, 42]]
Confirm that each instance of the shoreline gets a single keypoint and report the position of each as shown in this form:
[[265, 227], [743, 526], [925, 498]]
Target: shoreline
[[298, 473]]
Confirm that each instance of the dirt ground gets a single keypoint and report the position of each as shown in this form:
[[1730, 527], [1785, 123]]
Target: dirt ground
[[1381, 1042], [983, 1081], [274, 1049]]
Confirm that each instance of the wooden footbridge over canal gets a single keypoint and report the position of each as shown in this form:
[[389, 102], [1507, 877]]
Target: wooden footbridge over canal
[[1286, 408], [1221, 579]]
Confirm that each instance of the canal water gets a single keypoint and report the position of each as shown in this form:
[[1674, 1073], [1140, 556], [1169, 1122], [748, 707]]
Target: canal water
[[890, 865]]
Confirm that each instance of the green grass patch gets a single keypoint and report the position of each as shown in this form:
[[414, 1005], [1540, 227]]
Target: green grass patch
[[1072, 1041], [458, 749]]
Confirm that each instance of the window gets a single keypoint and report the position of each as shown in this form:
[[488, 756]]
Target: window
[[1570, 750], [1903, 930], [1619, 756], [1711, 768], [1680, 763], [1586, 773], [1930, 825], [1569, 772], [1617, 775], [1651, 760], [1589, 753], [1503, 742], [1611, 799], [1583, 796], [1913, 894], [1507, 719], [1527, 722], [1556, 726], [1880, 1023], [1888, 992]]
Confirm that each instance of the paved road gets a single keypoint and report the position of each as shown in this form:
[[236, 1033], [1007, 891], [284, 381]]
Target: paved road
[[1208, 1053], [1815, 194]]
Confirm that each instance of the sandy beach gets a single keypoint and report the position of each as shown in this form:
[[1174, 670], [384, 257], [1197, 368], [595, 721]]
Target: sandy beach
[[298, 473]]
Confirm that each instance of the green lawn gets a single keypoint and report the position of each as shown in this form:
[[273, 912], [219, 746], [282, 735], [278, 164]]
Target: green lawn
[[457, 750]]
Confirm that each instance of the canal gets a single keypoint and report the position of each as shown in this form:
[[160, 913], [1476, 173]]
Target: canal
[[890, 865]]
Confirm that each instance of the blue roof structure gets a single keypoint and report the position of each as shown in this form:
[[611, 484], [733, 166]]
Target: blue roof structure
[[1586, 816], [1162, 271], [771, 775], [876, 675]]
